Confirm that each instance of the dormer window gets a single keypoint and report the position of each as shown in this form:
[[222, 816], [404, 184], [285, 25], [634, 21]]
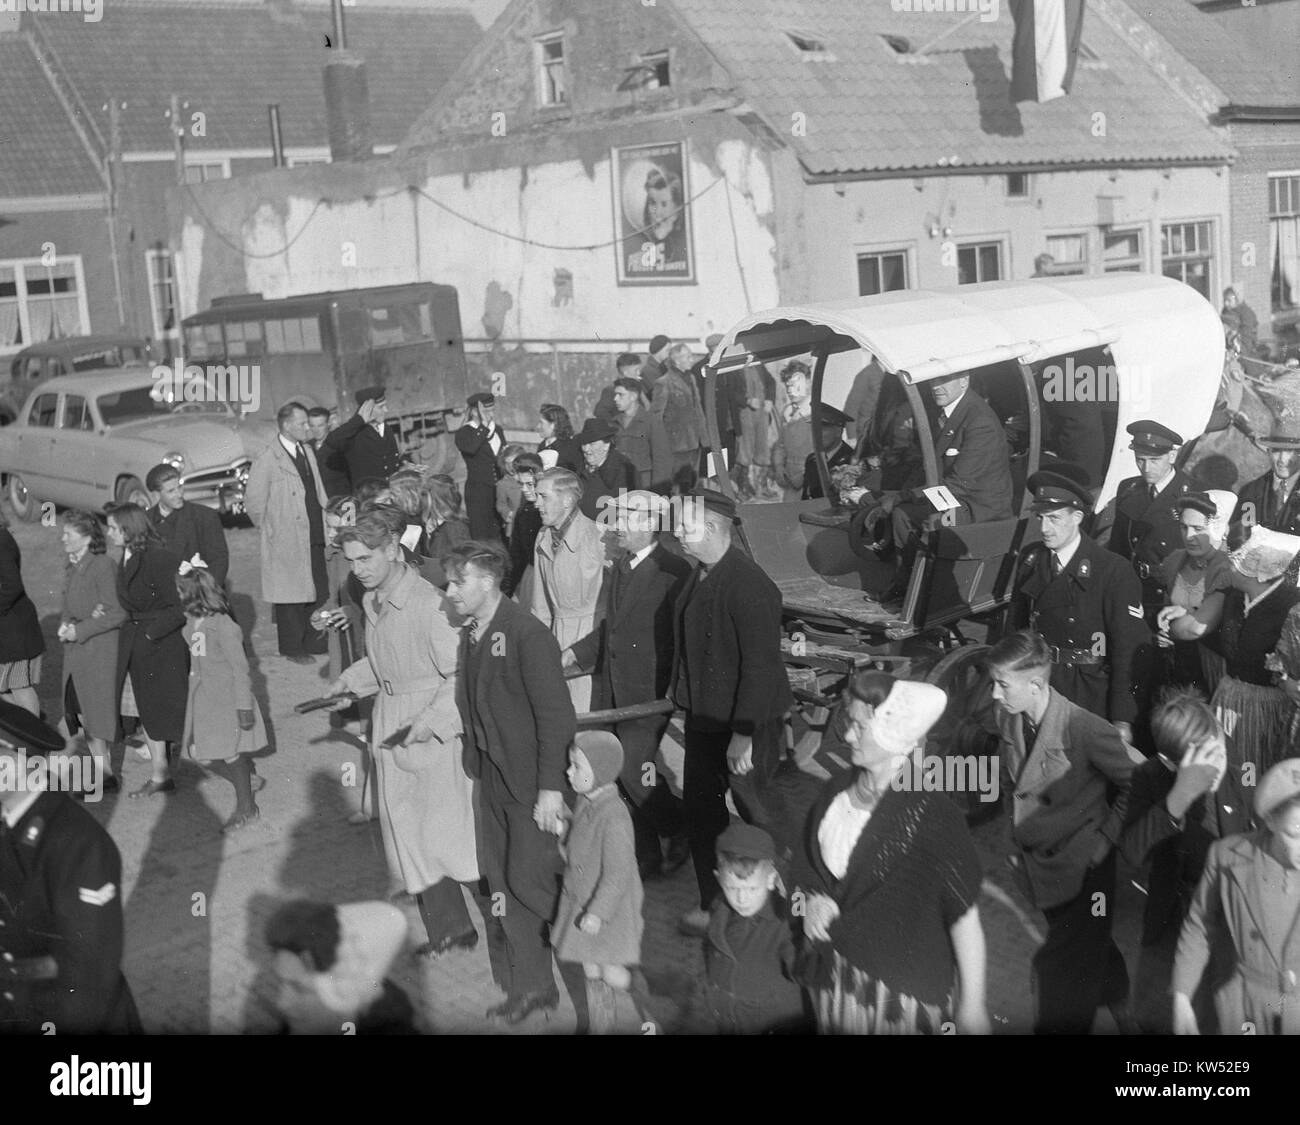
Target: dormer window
[[656, 70], [552, 77], [809, 44]]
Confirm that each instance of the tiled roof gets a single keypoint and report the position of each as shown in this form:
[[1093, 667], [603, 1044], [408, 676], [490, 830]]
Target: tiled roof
[[40, 152], [868, 108], [230, 61], [1248, 51]]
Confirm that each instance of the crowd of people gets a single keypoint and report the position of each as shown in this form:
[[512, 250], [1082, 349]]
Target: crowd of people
[[1146, 696]]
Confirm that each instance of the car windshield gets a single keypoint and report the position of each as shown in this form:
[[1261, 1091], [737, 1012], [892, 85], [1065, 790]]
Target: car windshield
[[119, 355], [149, 401]]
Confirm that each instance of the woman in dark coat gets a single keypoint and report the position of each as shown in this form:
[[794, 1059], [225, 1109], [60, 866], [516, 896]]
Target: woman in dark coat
[[89, 629], [21, 641], [555, 429], [153, 660], [524, 531], [894, 880]]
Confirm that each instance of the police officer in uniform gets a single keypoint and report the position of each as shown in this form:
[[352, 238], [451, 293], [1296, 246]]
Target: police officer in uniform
[[1146, 528], [1084, 601], [838, 451], [366, 442], [60, 900]]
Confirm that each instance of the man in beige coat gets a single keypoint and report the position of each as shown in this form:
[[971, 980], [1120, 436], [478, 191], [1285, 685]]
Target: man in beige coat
[[284, 498], [569, 563]]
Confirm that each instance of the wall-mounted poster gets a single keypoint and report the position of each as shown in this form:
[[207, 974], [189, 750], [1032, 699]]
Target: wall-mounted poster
[[650, 212]]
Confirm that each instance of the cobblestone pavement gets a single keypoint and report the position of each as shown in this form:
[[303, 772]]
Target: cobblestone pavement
[[195, 902]]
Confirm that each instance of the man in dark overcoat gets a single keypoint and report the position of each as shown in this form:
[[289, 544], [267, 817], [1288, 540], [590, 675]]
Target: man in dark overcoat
[[187, 529], [631, 650], [366, 442], [480, 439], [1085, 601], [61, 932], [729, 678], [518, 723]]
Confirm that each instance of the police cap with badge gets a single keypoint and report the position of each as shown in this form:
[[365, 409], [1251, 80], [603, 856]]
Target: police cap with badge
[[1064, 485], [22, 730], [1151, 439]]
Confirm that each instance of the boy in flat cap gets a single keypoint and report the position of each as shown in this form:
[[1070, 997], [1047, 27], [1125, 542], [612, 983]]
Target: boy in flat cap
[[1146, 530], [365, 442], [749, 950], [479, 440], [60, 900], [1085, 601]]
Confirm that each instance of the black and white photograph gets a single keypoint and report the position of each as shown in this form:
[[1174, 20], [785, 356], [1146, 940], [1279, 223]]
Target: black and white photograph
[[675, 518]]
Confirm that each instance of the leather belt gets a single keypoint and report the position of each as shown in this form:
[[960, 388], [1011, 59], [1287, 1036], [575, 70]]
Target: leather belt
[[1071, 657], [1150, 572], [28, 968]]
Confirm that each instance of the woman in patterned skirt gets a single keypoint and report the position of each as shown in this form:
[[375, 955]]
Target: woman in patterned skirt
[[894, 882], [22, 644]]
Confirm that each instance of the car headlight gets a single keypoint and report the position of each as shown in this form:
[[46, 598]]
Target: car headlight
[[175, 460]]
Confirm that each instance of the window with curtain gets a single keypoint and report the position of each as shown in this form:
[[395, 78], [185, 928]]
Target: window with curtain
[[40, 301], [11, 332], [1284, 240]]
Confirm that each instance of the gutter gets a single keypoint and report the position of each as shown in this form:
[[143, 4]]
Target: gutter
[[1017, 166]]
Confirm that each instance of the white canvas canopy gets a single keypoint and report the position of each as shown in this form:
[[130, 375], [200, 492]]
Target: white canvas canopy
[[1166, 339]]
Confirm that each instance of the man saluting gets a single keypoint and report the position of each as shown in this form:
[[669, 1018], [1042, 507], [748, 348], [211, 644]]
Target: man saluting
[[1085, 601], [60, 900]]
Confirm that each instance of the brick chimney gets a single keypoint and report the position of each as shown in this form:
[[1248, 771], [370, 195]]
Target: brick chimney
[[347, 97]]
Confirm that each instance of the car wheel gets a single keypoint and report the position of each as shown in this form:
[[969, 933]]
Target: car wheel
[[26, 506], [131, 491]]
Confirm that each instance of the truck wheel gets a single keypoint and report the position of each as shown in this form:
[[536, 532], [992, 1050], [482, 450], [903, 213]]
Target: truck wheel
[[26, 506], [967, 728], [131, 491]]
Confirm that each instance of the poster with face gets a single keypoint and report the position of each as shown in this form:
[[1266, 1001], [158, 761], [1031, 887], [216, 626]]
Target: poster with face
[[650, 213]]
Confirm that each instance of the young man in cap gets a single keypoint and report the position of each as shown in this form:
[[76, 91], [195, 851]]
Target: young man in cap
[[631, 650], [730, 680], [641, 438], [61, 932], [1146, 528], [1085, 601], [365, 442], [518, 724], [479, 440], [333, 469], [187, 529], [654, 365], [838, 452], [1271, 500], [607, 472], [795, 443], [627, 366], [1069, 773]]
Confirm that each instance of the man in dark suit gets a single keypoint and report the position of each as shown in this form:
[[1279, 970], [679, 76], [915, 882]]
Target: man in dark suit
[[1146, 529], [187, 529], [838, 451], [631, 650], [606, 472], [61, 932], [367, 444], [1272, 500], [1181, 801], [729, 678], [519, 722], [479, 440], [1086, 602], [333, 469], [1069, 774], [974, 465], [655, 364]]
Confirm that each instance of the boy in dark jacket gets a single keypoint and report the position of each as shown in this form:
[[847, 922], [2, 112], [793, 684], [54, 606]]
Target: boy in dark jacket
[[749, 947]]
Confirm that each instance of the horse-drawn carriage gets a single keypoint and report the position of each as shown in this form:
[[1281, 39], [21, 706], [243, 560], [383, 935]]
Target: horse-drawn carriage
[[1066, 363]]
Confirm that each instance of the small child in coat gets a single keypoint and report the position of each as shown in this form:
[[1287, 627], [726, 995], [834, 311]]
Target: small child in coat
[[510, 493], [599, 921], [223, 724], [749, 948]]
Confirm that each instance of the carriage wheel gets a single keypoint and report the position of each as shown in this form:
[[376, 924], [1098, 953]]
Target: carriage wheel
[[967, 727]]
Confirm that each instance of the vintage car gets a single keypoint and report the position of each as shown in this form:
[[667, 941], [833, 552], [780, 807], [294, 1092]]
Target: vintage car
[[90, 439], [66, 356]]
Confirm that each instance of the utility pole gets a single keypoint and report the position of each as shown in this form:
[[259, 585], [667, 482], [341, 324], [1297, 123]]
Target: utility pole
[[114, 175], [178, 138]]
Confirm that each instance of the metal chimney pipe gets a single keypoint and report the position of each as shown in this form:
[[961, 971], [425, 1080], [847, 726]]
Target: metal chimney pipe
[[340, 30], [277, 140]]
